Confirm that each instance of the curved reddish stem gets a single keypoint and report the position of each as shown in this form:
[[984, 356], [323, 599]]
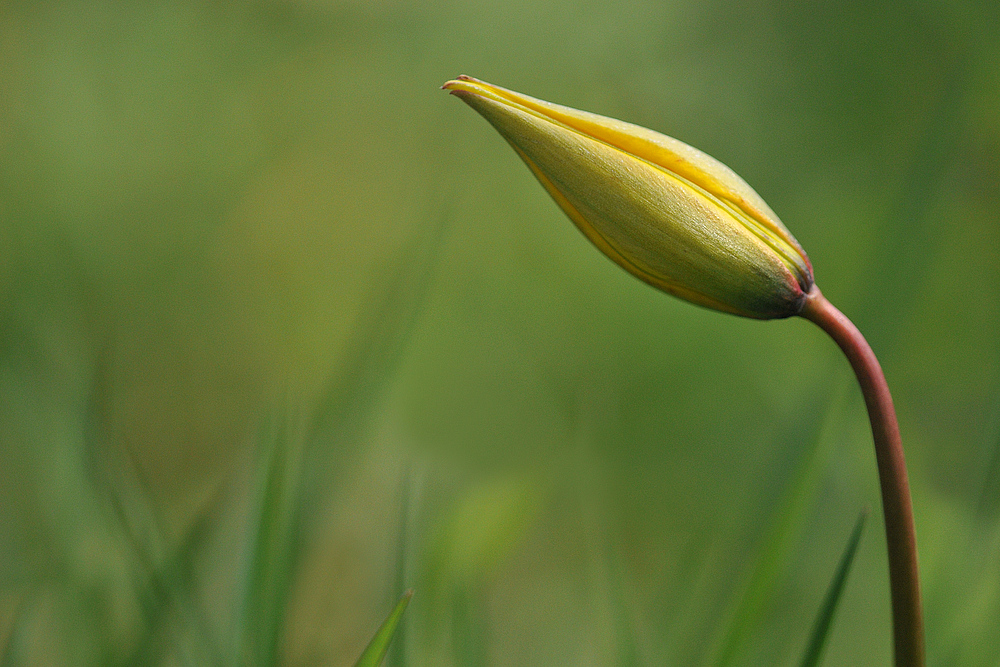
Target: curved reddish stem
[[904, 582]]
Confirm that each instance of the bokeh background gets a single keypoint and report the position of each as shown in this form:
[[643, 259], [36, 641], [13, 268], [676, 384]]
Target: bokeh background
[[262, 283]]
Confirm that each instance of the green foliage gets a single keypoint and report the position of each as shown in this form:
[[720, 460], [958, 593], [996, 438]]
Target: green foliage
[[777, 543], [824, 620], [379, 645], [273, 551], [284, 332]]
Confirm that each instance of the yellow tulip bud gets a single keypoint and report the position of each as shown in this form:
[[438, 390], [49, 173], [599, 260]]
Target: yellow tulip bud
[[662, 210]]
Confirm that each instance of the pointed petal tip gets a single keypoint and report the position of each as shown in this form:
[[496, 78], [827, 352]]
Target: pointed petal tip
[[457, 81], [452, 86], [462, 85]]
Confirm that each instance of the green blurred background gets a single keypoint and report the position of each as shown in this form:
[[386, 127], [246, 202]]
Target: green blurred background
[[234, 229]]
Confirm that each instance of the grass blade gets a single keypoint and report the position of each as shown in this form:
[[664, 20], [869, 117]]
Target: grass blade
[[825, 619], [628, 651], [164, 586], [409, 488], [379, 645], [8, 650], [989, 494], [379, 338], [273, 552], [782, 536], [367, 365], [468, 629], [171, 620]]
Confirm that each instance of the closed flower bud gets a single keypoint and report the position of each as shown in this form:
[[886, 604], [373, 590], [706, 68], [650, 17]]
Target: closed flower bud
[[662, 210]]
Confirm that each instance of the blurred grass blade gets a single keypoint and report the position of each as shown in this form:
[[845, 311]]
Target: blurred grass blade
[[165, 586], [295, 469], [379, 645], [613, 585], [469, 632], [825, 619], [8, 650], [374, 347], [273, 550], [782, 535], [409, 488], [378, 339], [989, 493], [915, 233], [629, 654], [161, 572]]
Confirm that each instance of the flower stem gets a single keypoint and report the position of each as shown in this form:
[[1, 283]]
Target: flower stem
[[901, 542]]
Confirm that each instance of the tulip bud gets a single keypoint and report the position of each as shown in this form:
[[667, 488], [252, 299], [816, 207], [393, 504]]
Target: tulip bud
[[664, 211]]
